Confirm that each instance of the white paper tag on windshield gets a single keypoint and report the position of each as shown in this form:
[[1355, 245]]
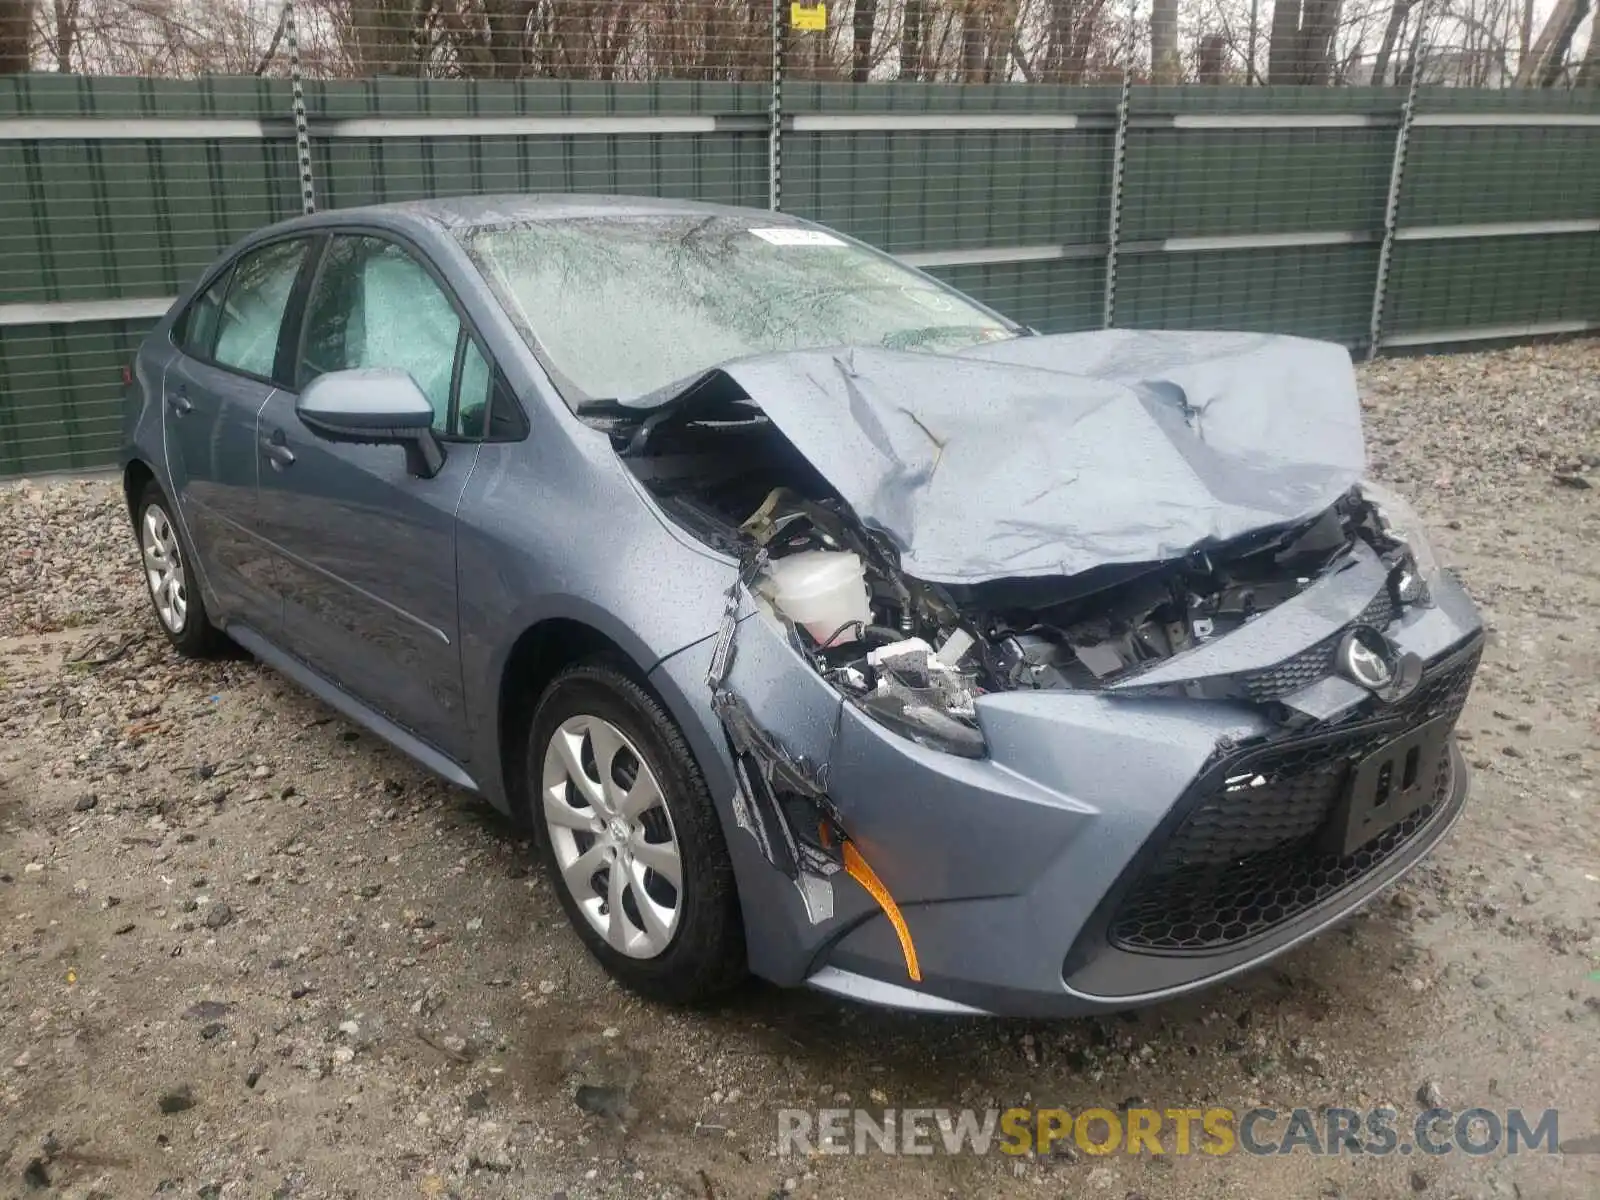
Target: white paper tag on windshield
[[790, 236]]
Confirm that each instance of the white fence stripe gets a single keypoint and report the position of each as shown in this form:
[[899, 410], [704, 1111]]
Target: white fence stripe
[[984, 256], [1487, 333], [422, 127], [1484, 120], [881, 122], [1437, 233], [1246, 120], [100, 129], [1264, 241], [14, 129], [72, 312]]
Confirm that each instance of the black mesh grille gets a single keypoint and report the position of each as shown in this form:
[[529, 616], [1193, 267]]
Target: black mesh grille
[[1250, 855], [1312, 664]]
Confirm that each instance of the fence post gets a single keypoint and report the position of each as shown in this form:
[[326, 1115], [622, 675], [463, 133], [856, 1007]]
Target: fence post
[[1119, 162], [1391, 208], [775, 114], [302, 138]]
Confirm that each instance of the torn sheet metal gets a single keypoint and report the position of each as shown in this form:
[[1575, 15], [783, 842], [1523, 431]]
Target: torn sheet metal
[[1047, 456], [1327, 606], [770, 782]]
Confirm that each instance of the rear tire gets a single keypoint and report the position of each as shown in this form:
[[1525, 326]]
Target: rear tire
[[168, 569], [630, 838]]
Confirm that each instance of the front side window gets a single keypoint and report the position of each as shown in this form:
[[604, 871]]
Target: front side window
[[374, 305], [252, 314], [618, 306]]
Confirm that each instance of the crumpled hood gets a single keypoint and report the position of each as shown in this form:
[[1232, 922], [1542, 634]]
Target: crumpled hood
[[1054, 455]]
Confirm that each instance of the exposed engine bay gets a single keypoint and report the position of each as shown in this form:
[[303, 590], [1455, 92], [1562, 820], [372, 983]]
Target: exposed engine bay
[[915, 655]]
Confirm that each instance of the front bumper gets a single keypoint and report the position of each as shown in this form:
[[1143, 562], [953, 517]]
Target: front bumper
[[1097, 859]]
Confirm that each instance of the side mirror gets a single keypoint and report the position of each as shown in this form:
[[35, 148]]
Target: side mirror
[[376, 406]]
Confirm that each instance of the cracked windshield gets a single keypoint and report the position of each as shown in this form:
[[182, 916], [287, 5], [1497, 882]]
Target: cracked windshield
[[621, 306]]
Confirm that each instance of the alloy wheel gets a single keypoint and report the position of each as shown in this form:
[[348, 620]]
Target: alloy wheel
[[613, 836], [163, 568]]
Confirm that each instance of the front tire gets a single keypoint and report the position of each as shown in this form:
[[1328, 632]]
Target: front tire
[[169, 574], [630, 838]]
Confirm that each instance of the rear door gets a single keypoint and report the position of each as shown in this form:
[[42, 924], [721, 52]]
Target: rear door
[[366, 551], [214, 390]]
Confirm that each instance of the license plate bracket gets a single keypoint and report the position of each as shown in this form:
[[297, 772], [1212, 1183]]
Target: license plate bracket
[[1389, 785]]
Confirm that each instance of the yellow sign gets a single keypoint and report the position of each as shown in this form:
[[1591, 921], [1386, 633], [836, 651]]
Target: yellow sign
[[808, 16]]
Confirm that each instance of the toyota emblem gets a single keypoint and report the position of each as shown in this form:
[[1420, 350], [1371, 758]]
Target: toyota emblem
[[1364, 657], [1368, 658]]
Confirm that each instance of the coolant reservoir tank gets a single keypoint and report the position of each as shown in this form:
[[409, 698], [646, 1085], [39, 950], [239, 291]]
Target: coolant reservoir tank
[[821, 590]]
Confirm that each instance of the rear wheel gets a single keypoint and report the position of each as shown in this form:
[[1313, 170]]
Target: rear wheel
[[630, 838], [169, 575]]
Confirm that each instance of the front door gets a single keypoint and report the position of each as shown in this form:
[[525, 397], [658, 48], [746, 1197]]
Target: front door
[[214, 390], [366, 552]]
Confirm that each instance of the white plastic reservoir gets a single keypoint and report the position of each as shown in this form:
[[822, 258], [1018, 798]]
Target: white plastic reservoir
[[821, 590]]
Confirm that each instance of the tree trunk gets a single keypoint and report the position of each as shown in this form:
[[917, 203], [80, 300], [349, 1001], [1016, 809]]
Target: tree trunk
[[1302, 41], [507, 21], [1064, 55], [1589, 73], [68, 33], [1391, 34], [1283, 56], [974, 42], [866, 17], [382, 37], [1165, 66], [1211, 59], [1319, 21], [16, 25], [1542, 66], [912, 37]]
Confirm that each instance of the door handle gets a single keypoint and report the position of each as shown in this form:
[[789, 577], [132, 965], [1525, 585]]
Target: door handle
[[276, 451], [178, 400]]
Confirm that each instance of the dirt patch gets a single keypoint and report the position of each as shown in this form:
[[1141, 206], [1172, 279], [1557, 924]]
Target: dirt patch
[[247, 950]]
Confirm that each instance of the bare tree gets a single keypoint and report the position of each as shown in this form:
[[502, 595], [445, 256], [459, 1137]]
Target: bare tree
[[1543, 64], [913, 36], [1391, 32], [1589, 73], [1302, 41], [16, 27], [864, 20], [1211, 58], [384, 34], [1165, 66], [64, 32], [1283, 54]]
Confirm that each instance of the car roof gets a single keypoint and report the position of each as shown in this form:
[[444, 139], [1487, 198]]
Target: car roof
[[467, 212]]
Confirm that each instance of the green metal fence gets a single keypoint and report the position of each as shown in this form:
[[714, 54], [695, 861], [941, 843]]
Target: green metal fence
[[1243, 208]]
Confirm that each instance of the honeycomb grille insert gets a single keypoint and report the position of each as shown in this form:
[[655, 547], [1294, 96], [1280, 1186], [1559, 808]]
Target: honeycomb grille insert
[[1315, 662], [1250, 854]]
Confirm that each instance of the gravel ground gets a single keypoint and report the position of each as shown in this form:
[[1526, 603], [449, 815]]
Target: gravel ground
[[246, 950]]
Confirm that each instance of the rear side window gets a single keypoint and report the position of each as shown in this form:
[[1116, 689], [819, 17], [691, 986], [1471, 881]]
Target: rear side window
[[197, 329], [252, 313]]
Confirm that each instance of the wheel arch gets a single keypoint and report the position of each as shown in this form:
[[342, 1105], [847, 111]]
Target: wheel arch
[[539, 653], [135, 477]]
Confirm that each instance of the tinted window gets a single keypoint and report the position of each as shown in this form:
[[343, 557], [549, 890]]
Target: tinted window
[[374, 305], [197, 330], [618, 306], [252, 315]]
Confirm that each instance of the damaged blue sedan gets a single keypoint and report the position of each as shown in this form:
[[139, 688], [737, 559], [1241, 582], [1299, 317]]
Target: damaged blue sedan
[[821, 622]]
